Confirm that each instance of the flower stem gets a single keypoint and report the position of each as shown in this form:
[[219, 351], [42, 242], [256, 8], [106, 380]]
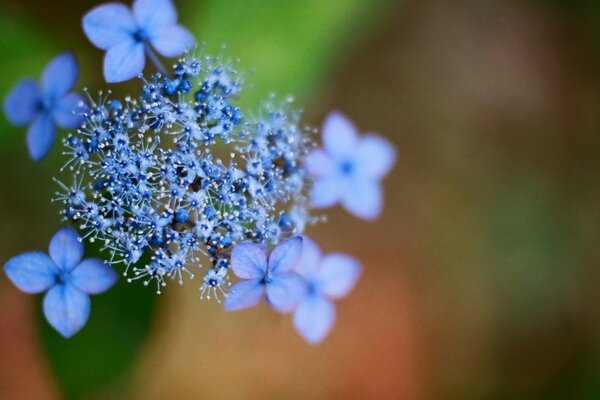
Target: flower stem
[[154, 59]]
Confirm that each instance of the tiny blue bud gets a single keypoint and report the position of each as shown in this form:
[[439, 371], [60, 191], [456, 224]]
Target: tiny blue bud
[[181, 215]]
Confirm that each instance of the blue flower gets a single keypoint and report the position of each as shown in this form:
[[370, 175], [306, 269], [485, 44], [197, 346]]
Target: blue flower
[[127, 35], [349, 168], [41, 105], [273, 275], [328, 277], [67, 279]]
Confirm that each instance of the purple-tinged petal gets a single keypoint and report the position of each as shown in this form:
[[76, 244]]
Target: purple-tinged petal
[[68, 111], [244, 294], [124, 61], [67, 309], [92, 276], [339, 136], [326, 192], [338, 275], [285, 291], [311, 258], [314, 318], [32, 272], [152, 15], [109, 24], [363, 199], [375, 157], [286, 255], [40, 136], [22, 102], [59, 76], [172, 41], [249, 260], [66, 249], [320, 164]]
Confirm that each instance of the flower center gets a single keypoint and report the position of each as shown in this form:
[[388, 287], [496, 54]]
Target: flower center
[[44, 105], [267, 278], [64, 276], [140, 36], [347, 167]]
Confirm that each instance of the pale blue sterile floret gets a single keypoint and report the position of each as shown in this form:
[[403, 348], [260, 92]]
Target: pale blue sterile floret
[[328, 278], [348, 168], [44, 104], [270, 276], [67, 278], [128, 35]]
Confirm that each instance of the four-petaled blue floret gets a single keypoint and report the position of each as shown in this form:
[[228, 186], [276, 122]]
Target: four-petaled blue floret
[[65, 277], [44, 104], [327, 278], [349, 169], [128, 35], [272, 276]]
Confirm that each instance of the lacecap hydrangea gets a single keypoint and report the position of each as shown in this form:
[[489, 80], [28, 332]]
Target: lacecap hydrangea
[[176, 181]]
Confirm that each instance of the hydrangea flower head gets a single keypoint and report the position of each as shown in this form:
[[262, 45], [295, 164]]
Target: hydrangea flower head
[[128, 35], [65, 277], [349, 168], [271, 275], [328, 278], [148, 175], [44, 104]]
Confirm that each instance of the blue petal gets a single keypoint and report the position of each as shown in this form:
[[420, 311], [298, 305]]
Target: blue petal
[[22, 102], [311, 258], [92, 276], [172, 41], [285, 291], [60, 76], [339, 136], [66, 249], [286, 255], [244, 294], [363, 198], [67, 309], [338, 275], [320, 164], [375, 157], [124, 61], [152, 15], [249, 260], [326, 192], [314, 318], [40, 136], [68, 111], [109, 24], [32, 272]]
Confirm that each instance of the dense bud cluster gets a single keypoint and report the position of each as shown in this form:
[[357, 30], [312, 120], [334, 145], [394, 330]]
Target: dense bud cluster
[[180, 173]]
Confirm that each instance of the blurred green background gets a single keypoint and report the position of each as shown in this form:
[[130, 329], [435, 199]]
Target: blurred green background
[[481, 279]]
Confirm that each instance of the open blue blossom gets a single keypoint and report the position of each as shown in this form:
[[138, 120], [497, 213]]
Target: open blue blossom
[[328, 277], [349, 168], [273, 275], [43, 104], [128, 35], [67, 279]]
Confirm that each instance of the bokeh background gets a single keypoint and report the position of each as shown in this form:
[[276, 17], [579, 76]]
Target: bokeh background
[[481, 279]]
